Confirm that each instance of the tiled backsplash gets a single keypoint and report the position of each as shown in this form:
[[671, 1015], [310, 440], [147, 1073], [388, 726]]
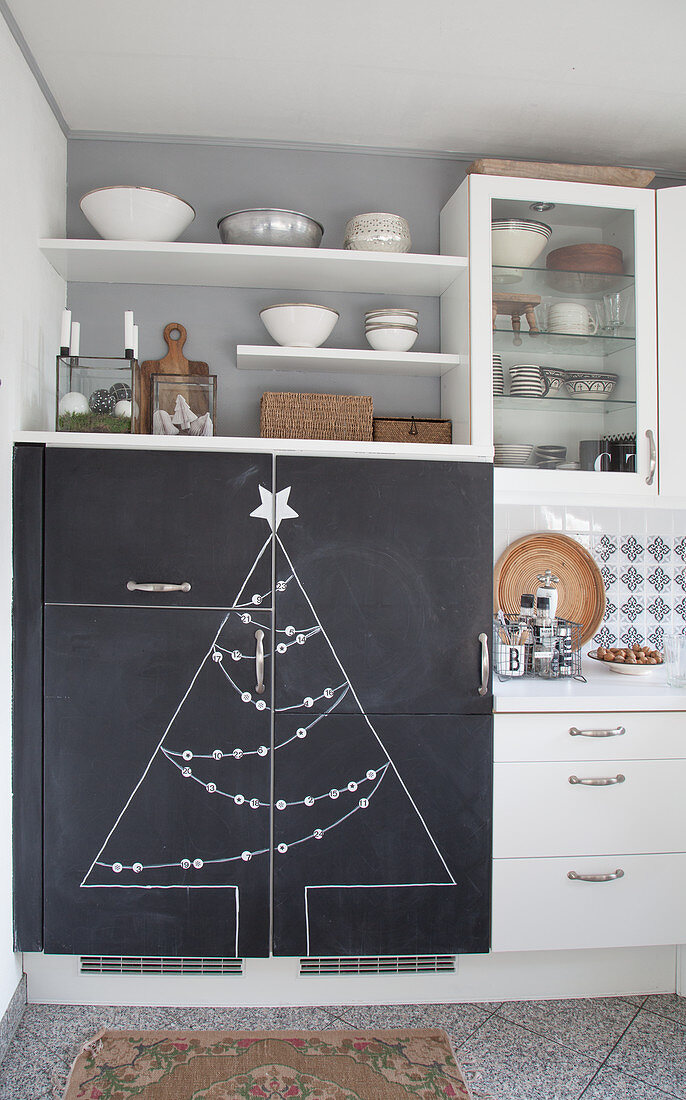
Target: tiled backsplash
[[641, 555]]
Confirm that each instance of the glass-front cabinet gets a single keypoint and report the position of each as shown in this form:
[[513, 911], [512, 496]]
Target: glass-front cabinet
[[559, 325]]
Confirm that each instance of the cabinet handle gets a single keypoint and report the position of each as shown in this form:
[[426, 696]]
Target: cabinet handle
[[259, 661], [611, 876], [134, 586], [650, 436], [604, 781], [618, 731], [485, 664]]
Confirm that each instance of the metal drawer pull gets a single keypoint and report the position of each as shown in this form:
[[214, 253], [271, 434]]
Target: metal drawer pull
[[134, 586], [650, 436], [610, 877], [259, 661], [619, 731], [604, 781], [485, 664]]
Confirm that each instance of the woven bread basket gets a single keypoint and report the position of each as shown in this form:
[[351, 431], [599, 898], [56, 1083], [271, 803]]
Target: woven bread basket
[[412, 429], [315, 416]]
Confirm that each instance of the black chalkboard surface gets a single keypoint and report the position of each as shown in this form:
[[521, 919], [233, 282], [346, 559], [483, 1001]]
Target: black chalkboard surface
[[390, 853], [152, 759], [161, 835], [391, 563]]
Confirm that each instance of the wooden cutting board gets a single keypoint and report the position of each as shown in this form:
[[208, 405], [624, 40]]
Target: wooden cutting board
[[573, 173], [174, 362]]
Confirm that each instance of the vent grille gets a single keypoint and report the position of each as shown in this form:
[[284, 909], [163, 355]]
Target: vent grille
[[151, 964], [378, 964]]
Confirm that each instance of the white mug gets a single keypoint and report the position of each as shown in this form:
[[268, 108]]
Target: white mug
[[571, 317]]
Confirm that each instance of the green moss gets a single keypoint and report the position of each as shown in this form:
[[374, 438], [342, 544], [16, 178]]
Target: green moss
[[93, 422]]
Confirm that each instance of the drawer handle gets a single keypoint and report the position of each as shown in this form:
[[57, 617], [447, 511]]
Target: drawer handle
[[603, 781], [485, 664], [612, 876], [134, 586], [259, 661], [619, 731]]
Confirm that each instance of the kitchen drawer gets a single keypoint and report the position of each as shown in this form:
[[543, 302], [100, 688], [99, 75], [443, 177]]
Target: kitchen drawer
[[646, 735], [538, 812], [114, 516], [536, 907]]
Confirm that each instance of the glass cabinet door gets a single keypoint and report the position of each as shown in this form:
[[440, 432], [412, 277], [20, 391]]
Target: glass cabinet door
[[562, 332], [564, 337]]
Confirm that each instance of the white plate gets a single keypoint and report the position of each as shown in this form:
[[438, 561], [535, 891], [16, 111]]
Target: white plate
[[624, 669]]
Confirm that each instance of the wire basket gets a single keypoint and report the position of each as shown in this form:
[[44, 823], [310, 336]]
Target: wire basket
[[519, 652]]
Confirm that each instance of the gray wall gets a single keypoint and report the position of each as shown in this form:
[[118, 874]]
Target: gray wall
[[215, 179]]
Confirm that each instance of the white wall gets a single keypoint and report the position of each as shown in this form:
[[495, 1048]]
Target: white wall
[[32, 205]]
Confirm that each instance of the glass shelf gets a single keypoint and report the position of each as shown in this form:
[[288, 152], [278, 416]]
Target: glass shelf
[[567, 404], [559, 284], [559, 343]]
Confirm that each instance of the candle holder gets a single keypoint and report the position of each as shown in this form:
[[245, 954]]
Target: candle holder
[[96, 393]]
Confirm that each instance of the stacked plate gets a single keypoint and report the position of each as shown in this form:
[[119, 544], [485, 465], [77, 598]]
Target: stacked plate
[[527, 380], [498, 378], [512, 454], [391, 329]]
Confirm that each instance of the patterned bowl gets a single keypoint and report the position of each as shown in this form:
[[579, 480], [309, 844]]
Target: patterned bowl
[[377, 232], [594, 385]]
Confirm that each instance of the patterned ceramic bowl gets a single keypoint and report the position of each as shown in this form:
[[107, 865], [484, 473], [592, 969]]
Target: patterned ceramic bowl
[[377, 233], [596, 386]]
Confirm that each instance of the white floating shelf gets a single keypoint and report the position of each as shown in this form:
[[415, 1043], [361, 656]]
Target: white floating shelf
[[343, 360], [447, 452], [257, 266]]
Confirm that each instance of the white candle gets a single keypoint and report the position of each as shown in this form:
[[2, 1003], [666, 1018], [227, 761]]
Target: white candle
[[75, 338], [135, 341], [128, 330], [65, 334]]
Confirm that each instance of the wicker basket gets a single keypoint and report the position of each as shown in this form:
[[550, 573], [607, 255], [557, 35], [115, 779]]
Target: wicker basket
[[315, 416], [412, 429]]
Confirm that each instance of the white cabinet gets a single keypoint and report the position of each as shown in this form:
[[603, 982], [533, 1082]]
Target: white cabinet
[[589, 831], [613, 424]]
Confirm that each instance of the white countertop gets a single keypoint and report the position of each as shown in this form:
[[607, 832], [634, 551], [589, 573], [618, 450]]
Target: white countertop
[[604, 690]]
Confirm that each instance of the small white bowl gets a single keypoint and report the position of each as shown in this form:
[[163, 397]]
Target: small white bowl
[[299, 324], [516, 244], [391, 338], [121, 213]]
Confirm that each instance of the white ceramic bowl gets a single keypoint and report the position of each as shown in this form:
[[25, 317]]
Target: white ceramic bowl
[[517, 245], [136, 213], [299, 324], [391, 338]]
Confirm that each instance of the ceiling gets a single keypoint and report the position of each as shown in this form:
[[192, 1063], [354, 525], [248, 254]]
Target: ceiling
[[598, 81]]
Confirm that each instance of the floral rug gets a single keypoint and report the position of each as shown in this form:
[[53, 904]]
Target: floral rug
[[267, 1065]]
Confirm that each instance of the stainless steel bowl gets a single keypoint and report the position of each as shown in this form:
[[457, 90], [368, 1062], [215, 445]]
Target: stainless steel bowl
[[270, 227]]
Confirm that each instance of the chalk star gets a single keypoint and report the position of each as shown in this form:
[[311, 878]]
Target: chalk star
[[274, 507]]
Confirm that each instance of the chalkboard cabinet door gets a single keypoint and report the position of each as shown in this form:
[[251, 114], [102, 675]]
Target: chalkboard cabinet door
[[120, 517], [382, 833], [384, 570], [157, 781]]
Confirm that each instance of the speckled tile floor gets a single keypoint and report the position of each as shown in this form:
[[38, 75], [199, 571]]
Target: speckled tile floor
[[608, 1048]]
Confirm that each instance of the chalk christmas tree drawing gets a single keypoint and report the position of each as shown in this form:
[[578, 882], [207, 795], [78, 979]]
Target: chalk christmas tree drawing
[[213, 799]]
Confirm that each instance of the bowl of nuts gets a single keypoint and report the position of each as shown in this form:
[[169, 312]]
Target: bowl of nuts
[[635, 661]]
